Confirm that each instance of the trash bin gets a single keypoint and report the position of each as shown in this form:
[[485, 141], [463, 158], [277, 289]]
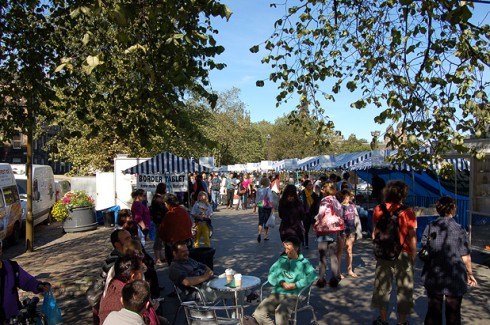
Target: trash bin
[[205, 255], [109, 218]]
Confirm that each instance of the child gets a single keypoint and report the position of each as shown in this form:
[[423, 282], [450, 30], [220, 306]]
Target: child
[[202, 212]]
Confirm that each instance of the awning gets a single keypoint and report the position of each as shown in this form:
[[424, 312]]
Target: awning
[[166, 162]]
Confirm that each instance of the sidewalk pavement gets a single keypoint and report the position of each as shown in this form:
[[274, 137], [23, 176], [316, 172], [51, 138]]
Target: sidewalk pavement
[[69, 261]]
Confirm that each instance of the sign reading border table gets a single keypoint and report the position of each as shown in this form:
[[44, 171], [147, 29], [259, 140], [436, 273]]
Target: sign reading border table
[[175, 182]]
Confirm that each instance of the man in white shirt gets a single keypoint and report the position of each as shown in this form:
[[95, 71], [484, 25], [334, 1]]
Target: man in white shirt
[[135, 299]]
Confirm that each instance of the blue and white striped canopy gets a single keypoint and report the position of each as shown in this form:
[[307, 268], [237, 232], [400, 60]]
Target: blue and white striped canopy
[[166, 162]]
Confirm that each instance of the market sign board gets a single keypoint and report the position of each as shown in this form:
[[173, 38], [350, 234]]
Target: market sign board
[[175, 182]]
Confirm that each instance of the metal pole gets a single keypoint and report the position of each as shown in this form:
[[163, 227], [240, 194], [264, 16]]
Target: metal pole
[[29, 221]]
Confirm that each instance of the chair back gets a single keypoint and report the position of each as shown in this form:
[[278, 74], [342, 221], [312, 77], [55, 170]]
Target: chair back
[[199, 315]]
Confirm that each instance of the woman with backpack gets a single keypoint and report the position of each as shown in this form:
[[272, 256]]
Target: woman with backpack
[[395, 247], [352, 228], [328, 225], [264, 203]]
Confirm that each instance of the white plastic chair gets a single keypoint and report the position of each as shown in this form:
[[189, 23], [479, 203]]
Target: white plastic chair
[[302, 303]]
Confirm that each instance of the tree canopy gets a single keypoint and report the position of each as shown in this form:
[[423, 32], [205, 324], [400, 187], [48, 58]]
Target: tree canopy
[[421, 63]]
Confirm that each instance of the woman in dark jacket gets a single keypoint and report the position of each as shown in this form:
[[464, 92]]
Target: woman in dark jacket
[[448, 271], [291, 214], [311, 203]]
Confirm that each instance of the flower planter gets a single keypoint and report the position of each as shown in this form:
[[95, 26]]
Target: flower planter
[[80, 219]]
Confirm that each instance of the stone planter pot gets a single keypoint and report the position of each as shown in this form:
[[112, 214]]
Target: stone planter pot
[[80, 219]]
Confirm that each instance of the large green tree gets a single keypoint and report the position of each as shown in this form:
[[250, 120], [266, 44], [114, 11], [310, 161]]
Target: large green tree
[[124, 71], [25, 61], [421, 63]]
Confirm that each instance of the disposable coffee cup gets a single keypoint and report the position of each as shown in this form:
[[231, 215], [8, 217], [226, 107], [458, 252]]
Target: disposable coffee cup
[[229, 275], [238, 280]]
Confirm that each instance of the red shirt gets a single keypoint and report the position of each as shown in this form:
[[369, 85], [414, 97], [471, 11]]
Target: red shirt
[[176, 225], [406, 220]]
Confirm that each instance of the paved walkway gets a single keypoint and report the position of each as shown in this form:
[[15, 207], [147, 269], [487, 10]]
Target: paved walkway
[[68, 261]]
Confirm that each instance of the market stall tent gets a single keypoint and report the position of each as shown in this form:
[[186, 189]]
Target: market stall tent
[[166, 162]]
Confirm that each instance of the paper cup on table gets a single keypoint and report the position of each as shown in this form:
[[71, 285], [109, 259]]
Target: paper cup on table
[[229, 275], [238, 280]]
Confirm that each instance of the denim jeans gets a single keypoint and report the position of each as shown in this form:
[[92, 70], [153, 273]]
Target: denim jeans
[[214, 199]]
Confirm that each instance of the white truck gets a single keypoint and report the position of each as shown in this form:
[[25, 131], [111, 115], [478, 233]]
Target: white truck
[[10, 207], [43, 191]]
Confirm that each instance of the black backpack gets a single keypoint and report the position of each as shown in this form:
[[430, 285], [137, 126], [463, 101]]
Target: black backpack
[[387, 245], [215, 184]]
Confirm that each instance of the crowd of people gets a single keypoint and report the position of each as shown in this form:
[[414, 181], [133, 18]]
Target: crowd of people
[[325, 205]]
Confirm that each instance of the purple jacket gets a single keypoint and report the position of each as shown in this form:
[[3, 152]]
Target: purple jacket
[[26, 283]]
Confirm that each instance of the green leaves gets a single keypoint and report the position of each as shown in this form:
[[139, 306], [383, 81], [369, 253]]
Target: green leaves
[[417, 62]]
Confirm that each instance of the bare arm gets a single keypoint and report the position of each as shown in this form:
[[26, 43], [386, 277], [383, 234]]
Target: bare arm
[[412, 242], [467, 262], [196, 280]]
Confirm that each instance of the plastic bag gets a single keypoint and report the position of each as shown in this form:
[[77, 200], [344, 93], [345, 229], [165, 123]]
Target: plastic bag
[[50, 309], [271, 222]]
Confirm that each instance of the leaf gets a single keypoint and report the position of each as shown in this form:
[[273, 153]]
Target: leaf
[[351, 85], [259, 83], [59, 68], [135, 48], [254, 49], [86, 39]]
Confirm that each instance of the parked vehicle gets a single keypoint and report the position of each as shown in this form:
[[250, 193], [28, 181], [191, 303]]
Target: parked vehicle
[[10, 208], [43, 191]]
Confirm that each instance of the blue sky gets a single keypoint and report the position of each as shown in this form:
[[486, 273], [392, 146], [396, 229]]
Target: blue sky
[[252, 23]]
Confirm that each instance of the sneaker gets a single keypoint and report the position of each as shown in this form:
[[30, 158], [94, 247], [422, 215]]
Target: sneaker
[[379, 322], [321, 283]]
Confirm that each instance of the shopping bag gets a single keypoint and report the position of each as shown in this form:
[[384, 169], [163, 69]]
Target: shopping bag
[[50, 309], [271, 222]]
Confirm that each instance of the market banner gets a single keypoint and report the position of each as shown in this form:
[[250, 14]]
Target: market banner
[[175, 182]]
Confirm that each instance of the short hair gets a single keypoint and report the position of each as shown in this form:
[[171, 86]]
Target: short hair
[[161, 188], [132, 227], [445, 205], [135, 295], [293, 240], [329, 188], [175, 246], [395, 191], [306, 183], [115, 237], [265, 182], [171, 199], [122, 216], [346, 192], [346, 175], [126, 266], [137, 193]]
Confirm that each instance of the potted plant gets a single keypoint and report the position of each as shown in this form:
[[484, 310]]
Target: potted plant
[[76, 210]]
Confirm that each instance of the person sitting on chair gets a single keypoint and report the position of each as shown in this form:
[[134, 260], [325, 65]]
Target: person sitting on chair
[[288, 275], [135, 299], [185, 272]]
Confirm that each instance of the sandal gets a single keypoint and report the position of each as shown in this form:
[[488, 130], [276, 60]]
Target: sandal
[[353, 275]]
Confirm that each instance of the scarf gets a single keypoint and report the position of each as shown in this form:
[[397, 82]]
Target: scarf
[[309, 198]]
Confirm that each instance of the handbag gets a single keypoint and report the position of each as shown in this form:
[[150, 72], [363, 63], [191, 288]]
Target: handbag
[[50, 309], [424, 252], [271, 222]]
